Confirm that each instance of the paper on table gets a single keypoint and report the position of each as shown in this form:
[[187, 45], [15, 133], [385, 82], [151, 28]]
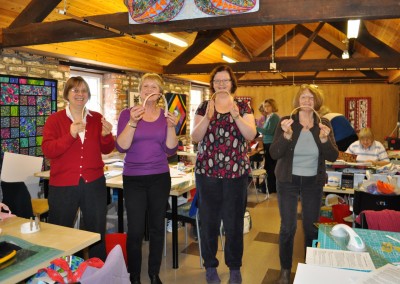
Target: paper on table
[[313, 274], [174, 172], [339, 259], [385, 274]]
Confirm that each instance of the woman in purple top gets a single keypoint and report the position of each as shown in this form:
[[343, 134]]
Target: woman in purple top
[[148, 138], [222, 127]]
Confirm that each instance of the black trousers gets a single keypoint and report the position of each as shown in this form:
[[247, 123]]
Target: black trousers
[[91, 198], [146, 194], [269, 166]]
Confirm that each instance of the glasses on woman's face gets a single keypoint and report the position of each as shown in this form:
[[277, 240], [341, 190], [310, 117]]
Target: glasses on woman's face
[[76, 91], [225, 81], [306, 97]]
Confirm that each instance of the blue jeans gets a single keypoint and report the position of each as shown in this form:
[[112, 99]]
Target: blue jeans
[[222, 199], [288, 195]]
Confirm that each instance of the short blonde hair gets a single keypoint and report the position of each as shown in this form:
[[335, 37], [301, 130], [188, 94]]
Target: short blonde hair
[[315, 90], [366, 133], [152, 76]]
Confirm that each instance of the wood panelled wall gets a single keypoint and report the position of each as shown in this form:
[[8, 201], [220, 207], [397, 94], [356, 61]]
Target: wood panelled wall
[[384, 99]]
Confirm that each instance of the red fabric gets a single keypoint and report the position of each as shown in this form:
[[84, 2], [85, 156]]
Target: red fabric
[[340, 211], [69, 158], [385, 220], [116, 239]]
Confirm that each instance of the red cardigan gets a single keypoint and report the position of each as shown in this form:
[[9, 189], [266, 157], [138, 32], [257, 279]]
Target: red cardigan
[[69, 158]]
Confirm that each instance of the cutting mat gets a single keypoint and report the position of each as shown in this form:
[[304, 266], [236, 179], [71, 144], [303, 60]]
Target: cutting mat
[[373, 240]]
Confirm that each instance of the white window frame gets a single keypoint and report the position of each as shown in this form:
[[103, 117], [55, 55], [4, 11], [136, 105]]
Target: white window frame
[[95, 82]]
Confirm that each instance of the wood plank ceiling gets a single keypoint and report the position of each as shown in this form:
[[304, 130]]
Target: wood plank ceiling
[[308, 41]]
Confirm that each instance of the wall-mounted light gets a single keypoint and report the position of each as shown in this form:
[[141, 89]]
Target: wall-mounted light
[[228, 59], [171, 39], [353, 27], [345, 54]]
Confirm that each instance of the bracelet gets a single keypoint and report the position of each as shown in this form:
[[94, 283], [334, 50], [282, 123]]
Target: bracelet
[[131, 125]]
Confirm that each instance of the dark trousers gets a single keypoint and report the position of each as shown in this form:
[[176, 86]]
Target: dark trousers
[[91, 198], [269, 166], [222, 199], [288, 195], [146, 195]]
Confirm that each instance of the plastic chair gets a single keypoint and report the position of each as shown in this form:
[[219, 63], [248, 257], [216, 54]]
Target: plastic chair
[[255, 175]]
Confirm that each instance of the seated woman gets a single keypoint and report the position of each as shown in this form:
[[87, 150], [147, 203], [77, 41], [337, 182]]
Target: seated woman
[[368, 149]]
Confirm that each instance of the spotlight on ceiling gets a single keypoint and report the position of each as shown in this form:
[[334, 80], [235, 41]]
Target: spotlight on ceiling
[[228, 59], [170, 39], [345, 54], [353, 27]]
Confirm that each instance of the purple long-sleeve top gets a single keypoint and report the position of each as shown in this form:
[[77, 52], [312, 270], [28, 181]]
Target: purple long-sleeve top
[[148, 152]]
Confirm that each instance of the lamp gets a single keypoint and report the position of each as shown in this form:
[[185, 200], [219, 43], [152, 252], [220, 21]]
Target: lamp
[[346, 54], [352, 28], [171, 39], [228, 59]]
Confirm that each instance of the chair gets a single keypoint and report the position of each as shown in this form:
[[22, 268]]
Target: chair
[[18, 199], [255, 175], [185, 215], [367, 201], [384, 220]]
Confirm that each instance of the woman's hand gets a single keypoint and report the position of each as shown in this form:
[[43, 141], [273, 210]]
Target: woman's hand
[[235, 111], [77, 127], [136, 114], [210, 109], [324, 132], [172, 120], [106, 127], [286, 126]]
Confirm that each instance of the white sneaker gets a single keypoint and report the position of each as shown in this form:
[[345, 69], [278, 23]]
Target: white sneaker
[[169, 225]]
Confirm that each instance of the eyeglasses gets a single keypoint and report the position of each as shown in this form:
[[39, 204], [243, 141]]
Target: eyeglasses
[[222, 81], [303, 98], [77, 91]]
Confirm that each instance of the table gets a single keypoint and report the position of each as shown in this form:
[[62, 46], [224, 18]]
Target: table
[[67, 240], [338, 190], [179, 186]]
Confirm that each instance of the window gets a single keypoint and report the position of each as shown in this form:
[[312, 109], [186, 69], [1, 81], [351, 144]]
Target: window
[[196, 96], [95, 84]]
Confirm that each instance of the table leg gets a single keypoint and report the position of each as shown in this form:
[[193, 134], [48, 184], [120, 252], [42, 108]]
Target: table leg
[[175, 264], [120, 211]]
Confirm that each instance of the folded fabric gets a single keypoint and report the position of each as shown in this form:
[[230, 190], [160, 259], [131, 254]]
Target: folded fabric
[[385, 220]]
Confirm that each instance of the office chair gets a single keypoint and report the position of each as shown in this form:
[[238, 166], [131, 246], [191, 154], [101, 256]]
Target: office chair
[[18, 199], [185, 216]]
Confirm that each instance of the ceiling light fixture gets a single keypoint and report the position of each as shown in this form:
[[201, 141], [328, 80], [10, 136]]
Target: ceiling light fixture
[[170, 39], [228, 59], [353, 27], [345, 54]]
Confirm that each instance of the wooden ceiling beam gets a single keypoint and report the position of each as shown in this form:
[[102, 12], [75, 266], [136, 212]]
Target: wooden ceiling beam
[[309, 41], [270, 12], [35, 12], [292, 65], [241, 45], [202, 40]]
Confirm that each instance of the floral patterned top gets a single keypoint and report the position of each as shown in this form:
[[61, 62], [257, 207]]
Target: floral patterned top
[[223, 151]]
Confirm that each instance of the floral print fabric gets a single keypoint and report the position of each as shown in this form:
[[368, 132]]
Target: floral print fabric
[[223, 151]]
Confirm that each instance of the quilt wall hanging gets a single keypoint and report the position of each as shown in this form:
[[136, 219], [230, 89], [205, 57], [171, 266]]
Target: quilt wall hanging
[[177, 105], [25, 105], [157, 11], [358, 112]]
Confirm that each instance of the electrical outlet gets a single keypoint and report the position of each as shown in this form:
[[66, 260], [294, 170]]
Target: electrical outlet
[[272, 66]]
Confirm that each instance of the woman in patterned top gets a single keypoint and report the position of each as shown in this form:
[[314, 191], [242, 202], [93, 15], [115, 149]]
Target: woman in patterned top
[[222, 127]]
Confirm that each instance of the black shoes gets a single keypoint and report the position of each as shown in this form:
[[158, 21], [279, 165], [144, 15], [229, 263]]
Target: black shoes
[[154, 279], [135, 279], [284, 277]]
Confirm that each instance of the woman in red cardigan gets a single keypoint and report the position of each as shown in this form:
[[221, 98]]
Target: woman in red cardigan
[[73, 140]]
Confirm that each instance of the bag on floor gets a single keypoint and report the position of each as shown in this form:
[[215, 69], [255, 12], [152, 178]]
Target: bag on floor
[[247, 222]]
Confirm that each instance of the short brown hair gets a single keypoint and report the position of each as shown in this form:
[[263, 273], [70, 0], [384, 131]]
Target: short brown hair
[[75, 82], [231, 74], [317, 93], [272, 103]]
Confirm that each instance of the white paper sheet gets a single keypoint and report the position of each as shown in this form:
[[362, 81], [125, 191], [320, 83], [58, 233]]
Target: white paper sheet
[[313, 274], [17, 167], [339, 259], [385, 274]]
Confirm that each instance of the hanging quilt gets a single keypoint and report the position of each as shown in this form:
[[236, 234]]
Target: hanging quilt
[[157, 11], [177, 105], [25, 105]]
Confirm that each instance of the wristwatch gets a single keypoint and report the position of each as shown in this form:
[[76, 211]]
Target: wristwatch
[[131, 125]]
